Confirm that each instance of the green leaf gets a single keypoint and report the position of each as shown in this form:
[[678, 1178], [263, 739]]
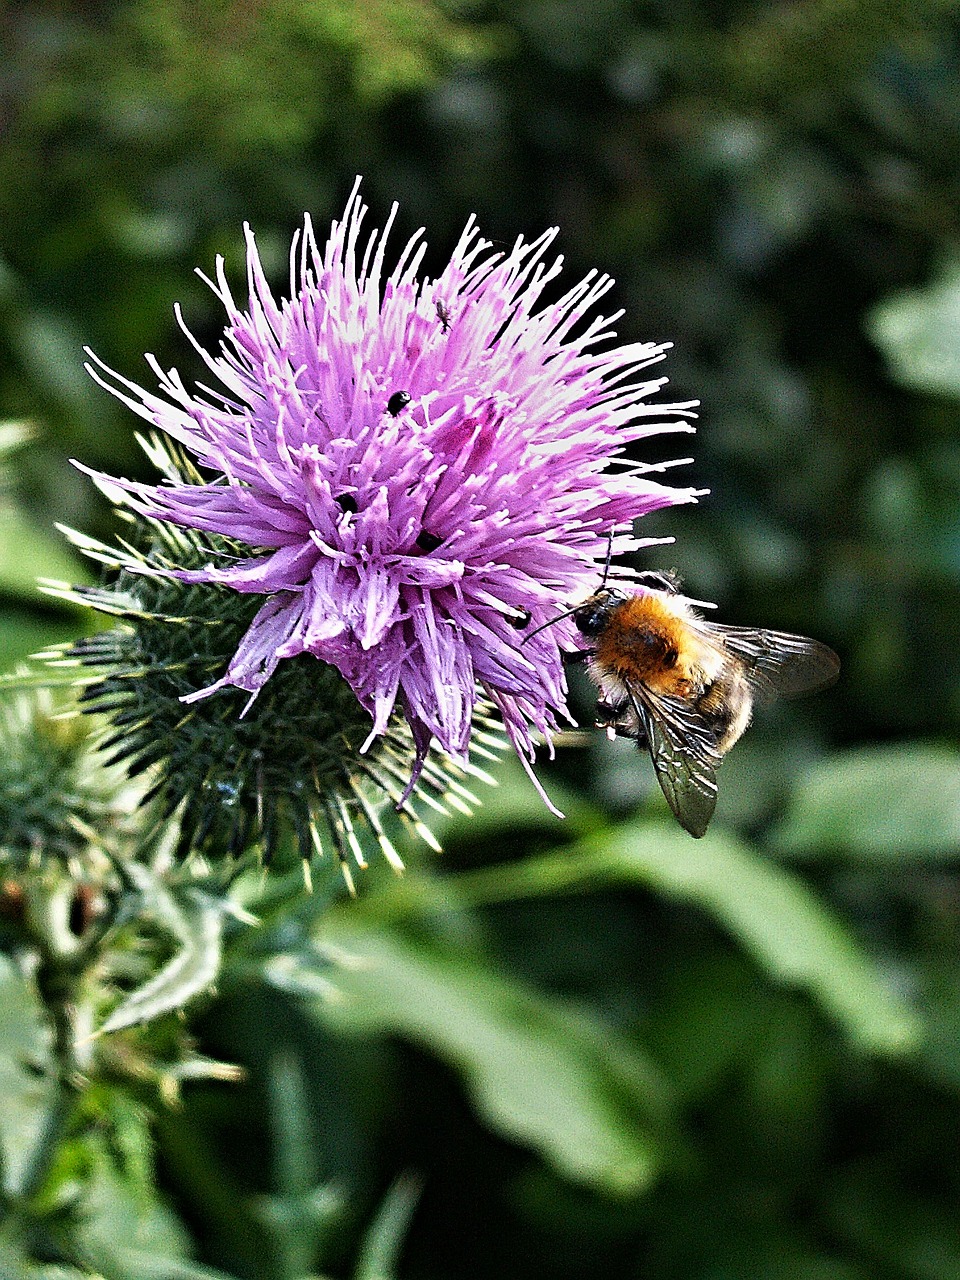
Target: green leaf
[[770, 912], [877, 804], [120, 1220], [139, 1265], [23, 633], [536, 1072], [710, 1020], [295, 1137], [195, 921], [383, 1240], [13, 435], [515, 805], [302, 1214], [300, 1225], [28, 551], [775, 917], [909, 1231], [46, 1272], [918, 331], [940, 1051]]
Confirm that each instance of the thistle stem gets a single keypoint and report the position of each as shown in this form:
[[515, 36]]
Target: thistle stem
[[59, 983]]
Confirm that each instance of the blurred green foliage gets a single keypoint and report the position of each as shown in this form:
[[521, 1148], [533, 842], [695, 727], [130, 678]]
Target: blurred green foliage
[[591, 1049]]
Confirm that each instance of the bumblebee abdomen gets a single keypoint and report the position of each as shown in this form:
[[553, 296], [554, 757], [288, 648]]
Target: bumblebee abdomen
[[727, 705]]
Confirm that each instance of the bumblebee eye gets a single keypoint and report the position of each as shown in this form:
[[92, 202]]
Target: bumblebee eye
[[589, 621], [519, 620], [347, 502]]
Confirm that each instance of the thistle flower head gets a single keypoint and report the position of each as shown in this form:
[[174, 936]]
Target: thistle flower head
[[237, 778], [410, 473], [59, 802]]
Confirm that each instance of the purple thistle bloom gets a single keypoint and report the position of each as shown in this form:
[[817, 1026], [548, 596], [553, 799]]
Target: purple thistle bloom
[[423, 470]]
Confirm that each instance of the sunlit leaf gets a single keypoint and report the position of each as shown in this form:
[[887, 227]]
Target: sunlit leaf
[[919, 333], [792, 936], [877, 804], [529, 1072]]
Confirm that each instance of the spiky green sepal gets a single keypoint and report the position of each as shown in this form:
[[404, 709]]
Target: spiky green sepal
[[59, 800]]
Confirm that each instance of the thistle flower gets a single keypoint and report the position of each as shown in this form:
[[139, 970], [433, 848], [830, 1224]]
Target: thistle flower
[[405, 475], [236, 777]]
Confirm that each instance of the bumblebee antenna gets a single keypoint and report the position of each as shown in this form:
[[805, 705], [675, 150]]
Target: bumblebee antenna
[[567, 613], [606, 563], [552, 623]]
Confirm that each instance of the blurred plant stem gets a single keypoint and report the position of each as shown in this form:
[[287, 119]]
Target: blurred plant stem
[[62, 964]]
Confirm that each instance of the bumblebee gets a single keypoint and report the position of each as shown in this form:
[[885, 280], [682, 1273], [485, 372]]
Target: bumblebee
[[683, 687]]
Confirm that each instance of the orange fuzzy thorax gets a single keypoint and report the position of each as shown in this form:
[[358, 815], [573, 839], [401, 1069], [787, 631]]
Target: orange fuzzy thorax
[[653, 639]]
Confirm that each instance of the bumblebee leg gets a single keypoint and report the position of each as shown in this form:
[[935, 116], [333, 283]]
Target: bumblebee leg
[[608, 713], [615, 718], [635, 735], [578, 656]]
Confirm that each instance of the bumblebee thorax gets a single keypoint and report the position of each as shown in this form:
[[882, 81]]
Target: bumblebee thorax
[[646, 637]]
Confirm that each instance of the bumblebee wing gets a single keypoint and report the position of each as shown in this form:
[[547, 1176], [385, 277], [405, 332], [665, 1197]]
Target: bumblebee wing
[[777, 662], [660, 580], [684, 756]]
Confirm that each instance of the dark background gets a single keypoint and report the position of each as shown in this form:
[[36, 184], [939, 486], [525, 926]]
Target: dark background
[[600, 1049]]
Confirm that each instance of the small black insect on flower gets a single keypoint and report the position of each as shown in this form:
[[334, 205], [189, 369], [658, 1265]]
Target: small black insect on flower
[[398, 402]]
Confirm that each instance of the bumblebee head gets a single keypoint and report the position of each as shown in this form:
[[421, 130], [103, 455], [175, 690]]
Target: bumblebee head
[[593, 616]]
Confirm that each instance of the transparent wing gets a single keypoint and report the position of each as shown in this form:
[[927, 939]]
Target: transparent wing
[[777, 662], [684, 755], [660, 580]]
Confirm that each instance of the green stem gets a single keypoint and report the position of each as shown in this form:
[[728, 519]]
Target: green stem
[[56, 1124], [58, 984]]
